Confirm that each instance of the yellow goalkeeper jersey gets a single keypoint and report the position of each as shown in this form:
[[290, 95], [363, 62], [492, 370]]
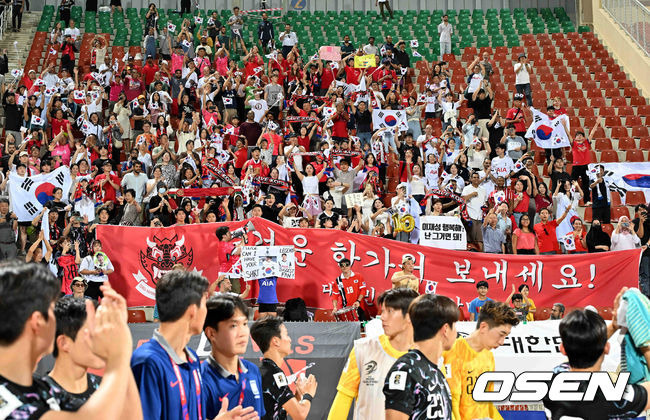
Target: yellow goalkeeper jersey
[[463, 365]]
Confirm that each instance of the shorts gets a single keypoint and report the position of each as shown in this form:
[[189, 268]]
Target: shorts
[[474, 232], [268, 307]]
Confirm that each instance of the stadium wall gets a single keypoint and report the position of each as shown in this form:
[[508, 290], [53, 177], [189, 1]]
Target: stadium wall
[[622, 47]]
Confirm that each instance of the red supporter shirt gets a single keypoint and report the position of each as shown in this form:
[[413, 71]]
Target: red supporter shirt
[[149, 72], [514, 113], [327, 78], [388, 82], [226, 259], [317, 168], [69, 267], [58, 126], [546, 238], [350, 288], [240, 157], [352, 75], [260, 169], [581, 152], [340, 128], [108, 192], [578, 240]]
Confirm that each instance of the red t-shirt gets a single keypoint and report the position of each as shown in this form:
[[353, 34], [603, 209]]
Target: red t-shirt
[[578, 241], [386, 83], [240, 157], [274, 140], [546, 238], [581, 152], [108, 191], [516, 113], [352, 75], [327, 78], [340, 128], [317, 168], [70, 271], [149, 72], [304, 142], [260, 169], [522, 207], [226, 259], [58, 126], [353, 287]]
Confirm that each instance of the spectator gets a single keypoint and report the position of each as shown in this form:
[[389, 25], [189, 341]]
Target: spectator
[[515, 145], [445, 30], [600, 196], [481, 104], [289, 40], [624, 237], [579, 236], [493, 238], [597, 240], [522, 73], [476, 304], [524, 240], [546, 232], [566, 199], [370, 48], [95, 268], [384, 4], [642, 230], [557, 311], [236, 24], [346, 46], [406, 278], [265, 33]]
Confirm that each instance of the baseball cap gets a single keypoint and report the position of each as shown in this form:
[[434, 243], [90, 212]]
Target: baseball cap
[[402, 185], [406, 258], [23, 153], [521, 55], [519, 96]]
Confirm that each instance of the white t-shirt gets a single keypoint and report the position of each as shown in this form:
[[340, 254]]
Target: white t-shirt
[[259, 108], [445, 32], [431, 171], [289, 39], [88, 263], [522, 77], [475, 82], [474, 204], [430, 103], [73, 32], [502, 167]]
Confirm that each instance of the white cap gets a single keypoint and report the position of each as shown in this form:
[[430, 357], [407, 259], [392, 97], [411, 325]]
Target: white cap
[[591, 308], [402, 185]]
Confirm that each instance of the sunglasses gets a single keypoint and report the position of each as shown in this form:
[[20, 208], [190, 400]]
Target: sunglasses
[[344, 265], [77, 284]]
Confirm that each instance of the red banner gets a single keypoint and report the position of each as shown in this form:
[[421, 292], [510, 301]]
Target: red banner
[[141, 254]]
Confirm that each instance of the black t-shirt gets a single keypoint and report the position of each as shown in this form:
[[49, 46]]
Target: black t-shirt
[[363, 120], [73, 402], [495, 132], [334, 217], [27, 402], [99, 164], [558, 177], [633, 403], [646, 232], [416, 387], [137, 112], [276, 390], [482, 108], [413, 148]]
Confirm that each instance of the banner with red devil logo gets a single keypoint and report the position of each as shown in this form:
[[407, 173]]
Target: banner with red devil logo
[[141, 255]]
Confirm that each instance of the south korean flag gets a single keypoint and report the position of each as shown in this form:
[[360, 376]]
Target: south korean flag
[[430, 287], [569, 242]]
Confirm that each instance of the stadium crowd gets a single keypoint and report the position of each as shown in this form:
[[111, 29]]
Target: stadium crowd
[[290, 138]]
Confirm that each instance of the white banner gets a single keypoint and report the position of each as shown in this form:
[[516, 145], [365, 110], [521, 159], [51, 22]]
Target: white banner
[[443, 232], [29, 194], [548, 133], [382, 118], [623, 177], [268, 261]]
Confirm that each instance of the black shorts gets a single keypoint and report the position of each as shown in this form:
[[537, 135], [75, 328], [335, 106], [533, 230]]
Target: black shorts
[[268, 307]]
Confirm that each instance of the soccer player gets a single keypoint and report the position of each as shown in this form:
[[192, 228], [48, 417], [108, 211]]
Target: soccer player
[[584, 341], [476, 304], [372, 357], [27, 330], [272, 337], [471, 356], [414, 387], [166, 370], [229, 380], [73, 357]]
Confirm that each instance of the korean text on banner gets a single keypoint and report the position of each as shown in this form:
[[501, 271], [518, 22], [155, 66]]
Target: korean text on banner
[[443, 232], [364, 61], [329, 53], [570, 279]]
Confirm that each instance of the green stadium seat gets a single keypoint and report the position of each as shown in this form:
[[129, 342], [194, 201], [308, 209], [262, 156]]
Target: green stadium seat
[[584, 28]]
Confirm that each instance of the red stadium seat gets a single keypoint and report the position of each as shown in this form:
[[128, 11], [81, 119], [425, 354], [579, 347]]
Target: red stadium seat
[[324, 315], [634, 156], [626, 111], [608, 156], [639, 131], [633, 198], [589, 214], [136, 316], [586, 111], [626, 143], [542, 314], [618, 131], [630, 91], [612, 91], [616, 200], [606, 312], [644, 143], [618, 101], [625, 83], [608, 228], [637, 101], [618, 212], [597, 102], [603, 144]]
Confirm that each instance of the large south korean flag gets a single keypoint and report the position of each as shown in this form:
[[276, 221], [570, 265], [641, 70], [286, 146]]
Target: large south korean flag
[[28, 195], [382, 118]]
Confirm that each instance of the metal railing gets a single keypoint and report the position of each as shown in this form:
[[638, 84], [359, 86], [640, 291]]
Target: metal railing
[[634, 18], [5, 19]]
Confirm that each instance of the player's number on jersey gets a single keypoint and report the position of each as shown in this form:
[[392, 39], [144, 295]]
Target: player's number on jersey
[[470, 385], [349, 289], [435, 402]]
